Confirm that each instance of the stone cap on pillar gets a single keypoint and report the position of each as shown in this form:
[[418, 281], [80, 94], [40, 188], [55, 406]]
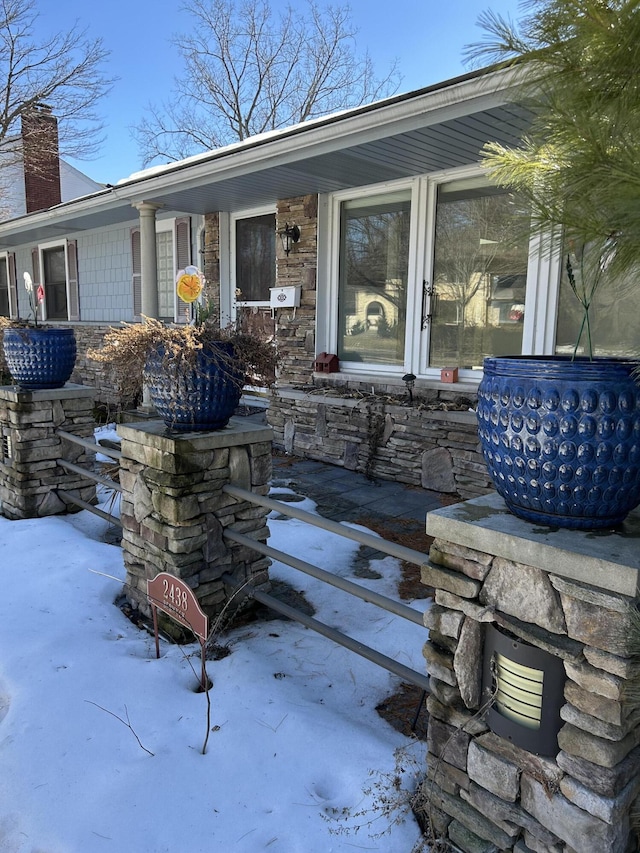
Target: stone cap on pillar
[[608, 559], [14, 393]]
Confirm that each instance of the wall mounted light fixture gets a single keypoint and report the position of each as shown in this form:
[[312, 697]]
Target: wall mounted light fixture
[[289, 235]]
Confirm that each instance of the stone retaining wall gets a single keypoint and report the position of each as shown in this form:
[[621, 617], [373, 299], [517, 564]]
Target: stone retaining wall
[[570, 594], [436, 450], [174, 512], [30, 449]]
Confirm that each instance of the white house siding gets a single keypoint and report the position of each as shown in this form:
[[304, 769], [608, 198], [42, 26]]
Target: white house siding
[[104, 273]]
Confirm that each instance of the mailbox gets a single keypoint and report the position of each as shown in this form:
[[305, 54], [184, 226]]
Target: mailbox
[[285, 297]]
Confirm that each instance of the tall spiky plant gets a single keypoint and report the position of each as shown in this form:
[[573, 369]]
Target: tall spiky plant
[[579, 165]]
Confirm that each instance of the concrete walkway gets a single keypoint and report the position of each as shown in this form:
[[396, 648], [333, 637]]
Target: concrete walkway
[[347, 496]]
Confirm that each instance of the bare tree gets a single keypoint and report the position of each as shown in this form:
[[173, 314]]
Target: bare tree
[[63, 71], [247, 71]]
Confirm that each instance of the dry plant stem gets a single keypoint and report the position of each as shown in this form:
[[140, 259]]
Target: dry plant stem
[[216, 629], [126, 722]]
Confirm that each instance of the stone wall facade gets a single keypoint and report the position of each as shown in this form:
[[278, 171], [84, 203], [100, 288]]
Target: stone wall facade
[[295, 327], [415, 444], [174, 512], [30, 447], [572, 596], [93, 373]]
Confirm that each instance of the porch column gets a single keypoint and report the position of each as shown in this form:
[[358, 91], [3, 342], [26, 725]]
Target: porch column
[[148, 257]]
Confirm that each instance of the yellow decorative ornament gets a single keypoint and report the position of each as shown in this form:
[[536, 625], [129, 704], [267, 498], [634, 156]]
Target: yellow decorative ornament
[[189, 283]]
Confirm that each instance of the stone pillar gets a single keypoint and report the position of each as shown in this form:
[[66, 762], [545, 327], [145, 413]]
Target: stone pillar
[[30, 449], [148, 258], [174, 512], [574, 595]]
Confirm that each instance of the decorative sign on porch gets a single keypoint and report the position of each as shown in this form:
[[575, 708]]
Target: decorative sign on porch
[[175, 598]]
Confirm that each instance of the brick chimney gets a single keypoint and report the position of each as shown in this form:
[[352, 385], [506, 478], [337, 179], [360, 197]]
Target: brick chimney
[[41, 158]]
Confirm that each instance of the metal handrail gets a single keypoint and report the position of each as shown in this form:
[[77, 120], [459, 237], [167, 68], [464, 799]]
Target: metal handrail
[[359, 648], [73, 499], [90, 445], [90, 475], [367, 539], [397, 608], [368, 595]]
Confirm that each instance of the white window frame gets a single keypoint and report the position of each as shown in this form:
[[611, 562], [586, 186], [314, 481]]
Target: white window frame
[[42, 247], [543, 278], [264, 210], [162, 227], [331, 306]]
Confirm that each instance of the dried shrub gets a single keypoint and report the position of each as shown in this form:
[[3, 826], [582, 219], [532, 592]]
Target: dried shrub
[[127, 347]]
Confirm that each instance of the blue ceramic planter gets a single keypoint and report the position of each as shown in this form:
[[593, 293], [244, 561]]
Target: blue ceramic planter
[[38, 358], [204, 399], [561, 439]]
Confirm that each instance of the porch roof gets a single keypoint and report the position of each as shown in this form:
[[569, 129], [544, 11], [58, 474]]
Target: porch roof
[[436, 128]]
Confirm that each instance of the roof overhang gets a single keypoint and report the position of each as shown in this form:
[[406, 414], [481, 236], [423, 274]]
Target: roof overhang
[[436, 128]]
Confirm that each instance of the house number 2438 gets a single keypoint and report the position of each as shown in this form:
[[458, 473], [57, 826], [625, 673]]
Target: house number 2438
[[177, 597]]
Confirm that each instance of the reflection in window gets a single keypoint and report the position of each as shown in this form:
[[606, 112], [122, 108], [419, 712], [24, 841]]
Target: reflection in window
[[255, 257], [374, 248], [613, 317], [480, 267]]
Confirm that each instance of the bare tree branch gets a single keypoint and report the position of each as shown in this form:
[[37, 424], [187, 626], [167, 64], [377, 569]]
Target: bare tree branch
[[63, 71], [248, 70]]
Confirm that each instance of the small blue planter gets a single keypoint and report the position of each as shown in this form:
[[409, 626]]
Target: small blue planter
[[204, 399], [561, 438], [39, 359]]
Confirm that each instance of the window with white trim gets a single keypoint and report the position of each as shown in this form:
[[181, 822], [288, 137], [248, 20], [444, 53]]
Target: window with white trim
[[433, 272], [55, 267], [253, 252]]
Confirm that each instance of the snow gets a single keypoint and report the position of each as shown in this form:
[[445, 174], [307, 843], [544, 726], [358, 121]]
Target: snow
[[297, 758]]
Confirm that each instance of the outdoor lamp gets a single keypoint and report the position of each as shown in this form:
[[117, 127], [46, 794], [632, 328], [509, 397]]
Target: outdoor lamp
[[409, 380], [289, 235]]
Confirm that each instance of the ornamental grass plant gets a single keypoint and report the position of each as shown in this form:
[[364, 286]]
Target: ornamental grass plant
[[578, 167]]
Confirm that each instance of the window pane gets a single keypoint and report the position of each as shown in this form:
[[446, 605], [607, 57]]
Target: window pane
[[55, 283], [613, 316], [4, 289], [166, 274], [374, 251], [255, 257], [480, 274]]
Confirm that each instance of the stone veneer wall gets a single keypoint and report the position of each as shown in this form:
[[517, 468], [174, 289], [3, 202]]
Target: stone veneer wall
[[211, 259], [436, 450], [93, 373], [569, 593], [174, 512], [295, 327], [30, 449]]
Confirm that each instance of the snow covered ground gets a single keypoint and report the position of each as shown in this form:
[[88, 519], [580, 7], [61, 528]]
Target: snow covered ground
[[101, 743]]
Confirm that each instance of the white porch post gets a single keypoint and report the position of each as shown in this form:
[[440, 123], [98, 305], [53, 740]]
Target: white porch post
[[148, 258]]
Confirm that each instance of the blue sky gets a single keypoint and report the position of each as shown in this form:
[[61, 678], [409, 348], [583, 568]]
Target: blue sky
[[426, 36]]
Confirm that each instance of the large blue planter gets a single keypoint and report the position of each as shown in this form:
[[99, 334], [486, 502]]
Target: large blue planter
[[561, 438], [39, 358], [203, 399]]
